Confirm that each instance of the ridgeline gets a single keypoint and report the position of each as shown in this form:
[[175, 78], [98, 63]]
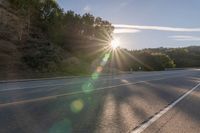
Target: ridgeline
[[39, 39]]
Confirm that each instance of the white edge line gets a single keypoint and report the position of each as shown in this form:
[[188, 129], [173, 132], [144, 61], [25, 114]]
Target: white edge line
[[165, 110]]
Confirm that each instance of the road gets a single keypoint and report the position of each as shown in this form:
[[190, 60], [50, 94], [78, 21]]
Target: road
[[166, 102]]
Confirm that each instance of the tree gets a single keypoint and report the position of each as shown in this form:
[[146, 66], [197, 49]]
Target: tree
[[71, 32]]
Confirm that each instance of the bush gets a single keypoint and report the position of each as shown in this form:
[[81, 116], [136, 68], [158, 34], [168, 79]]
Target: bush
[[41, 56]]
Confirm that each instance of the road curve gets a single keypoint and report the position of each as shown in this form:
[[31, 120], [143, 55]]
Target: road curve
[[110, 104]]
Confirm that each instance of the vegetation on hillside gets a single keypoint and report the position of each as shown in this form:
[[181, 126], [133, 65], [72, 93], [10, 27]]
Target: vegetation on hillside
[[160, 58], [142, 60], [182, 57], [52, 40], [51, 36]]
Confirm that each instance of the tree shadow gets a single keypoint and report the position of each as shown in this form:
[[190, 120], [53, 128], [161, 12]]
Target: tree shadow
[[169, 93], [117, 109]]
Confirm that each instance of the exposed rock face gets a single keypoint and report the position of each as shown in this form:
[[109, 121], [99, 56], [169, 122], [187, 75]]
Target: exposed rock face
[[9, 21], [4, 2], [9, 54], [13, 36]]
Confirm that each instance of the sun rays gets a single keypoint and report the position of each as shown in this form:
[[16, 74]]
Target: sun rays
[[115, 43]]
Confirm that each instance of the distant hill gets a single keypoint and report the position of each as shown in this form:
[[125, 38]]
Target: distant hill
[[183, 57], [154, 59]]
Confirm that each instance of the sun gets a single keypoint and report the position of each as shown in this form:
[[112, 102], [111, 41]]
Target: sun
[[114, 43]]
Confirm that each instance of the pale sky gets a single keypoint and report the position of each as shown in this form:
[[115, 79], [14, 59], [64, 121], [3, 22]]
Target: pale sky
[[146, 23]]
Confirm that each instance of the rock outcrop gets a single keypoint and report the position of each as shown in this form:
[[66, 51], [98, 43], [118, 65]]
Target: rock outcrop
[[13, 37]]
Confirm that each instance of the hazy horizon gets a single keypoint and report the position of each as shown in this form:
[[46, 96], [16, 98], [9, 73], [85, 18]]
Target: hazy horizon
[[146, 24]]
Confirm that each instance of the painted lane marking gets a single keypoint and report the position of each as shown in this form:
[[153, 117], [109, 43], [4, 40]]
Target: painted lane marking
[[145, 125], [64, 84], [74, 93], [75, 77]]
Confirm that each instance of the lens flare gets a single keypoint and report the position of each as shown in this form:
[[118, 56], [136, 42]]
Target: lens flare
[[77, 105], [114, 43], [64, 126]]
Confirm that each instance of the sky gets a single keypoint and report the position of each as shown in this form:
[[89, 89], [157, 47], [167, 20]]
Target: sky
[[146, 23]]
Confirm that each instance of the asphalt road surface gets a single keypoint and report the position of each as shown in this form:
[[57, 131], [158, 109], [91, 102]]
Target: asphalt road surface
[[166, 102]]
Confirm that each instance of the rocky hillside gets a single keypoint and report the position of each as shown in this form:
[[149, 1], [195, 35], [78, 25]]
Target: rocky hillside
[[9, 53], [14, 37]]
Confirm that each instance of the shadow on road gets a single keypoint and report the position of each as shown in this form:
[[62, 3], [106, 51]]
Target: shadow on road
[[113, 110]]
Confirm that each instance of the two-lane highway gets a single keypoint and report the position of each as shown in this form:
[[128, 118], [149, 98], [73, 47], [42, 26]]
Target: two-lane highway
[[120, 103]]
